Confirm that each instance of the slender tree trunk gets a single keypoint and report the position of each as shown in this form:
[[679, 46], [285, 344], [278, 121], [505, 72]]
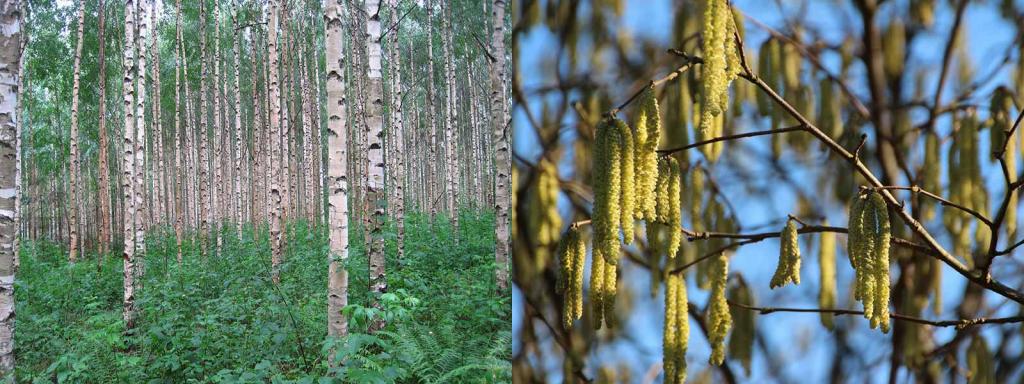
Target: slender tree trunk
[[178, 214], [10, 155], [499, 129], [104, 171], [375, 123], [145, 7], [275, 131], [452, 174], [205, 209], [218, 140], [434, 161], [337, 173], [238, 129], [160, 205], [128, 168], [397, 132], [73, 171]]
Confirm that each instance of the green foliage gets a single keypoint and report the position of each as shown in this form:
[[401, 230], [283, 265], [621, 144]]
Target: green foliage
[[221, 320]]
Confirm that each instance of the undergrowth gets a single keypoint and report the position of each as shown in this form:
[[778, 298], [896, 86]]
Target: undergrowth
[[218, 319]]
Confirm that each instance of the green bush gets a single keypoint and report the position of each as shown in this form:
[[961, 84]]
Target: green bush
[[217, 318]]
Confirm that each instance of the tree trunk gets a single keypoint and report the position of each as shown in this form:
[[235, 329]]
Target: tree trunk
[[434, 161], [502, 162], [10, 155], [104, 172], [159, 204], [205, 209], [179, 219], [452, 171], [397, 133], [128, 168], [238, 129], [276, 134], [375, 184], [337, 173], [73, 171], [139, 190]]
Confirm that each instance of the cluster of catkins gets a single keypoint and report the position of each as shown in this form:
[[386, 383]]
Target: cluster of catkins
[[788, 270], [868, 244], [721, 61], [630, 183], [964, 167]]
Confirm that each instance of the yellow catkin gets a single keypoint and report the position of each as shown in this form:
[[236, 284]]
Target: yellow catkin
[[827, 276], [627, 195], [610, 291], [579, 260], [662, 195], [719, 318], [607, 187], [677, 329], [788, 270], [881, 238], [741, 339], [894, 46], [675, 236], [923, 12], [714, 71], [829, 109], [979, 362], [930, 173], [597, 291], [766, 71], [547, 221], [570, 251], [645, 143]]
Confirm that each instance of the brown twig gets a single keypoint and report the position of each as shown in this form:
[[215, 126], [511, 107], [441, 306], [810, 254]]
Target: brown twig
[[958, 323], [731, 137], [940, 199]]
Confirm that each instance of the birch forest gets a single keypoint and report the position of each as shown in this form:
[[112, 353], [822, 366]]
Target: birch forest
[[255, 191]]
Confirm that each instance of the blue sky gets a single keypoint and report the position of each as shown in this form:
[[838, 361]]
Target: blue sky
[[795, 337]]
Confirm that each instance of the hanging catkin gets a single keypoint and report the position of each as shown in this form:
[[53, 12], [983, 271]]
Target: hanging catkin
[[675, 236], [597, 291], [827, 276], [930, 173], [627, 181], [610, 291], [788, 270], [830, 109], [894, 46], [766, 71], [607, 189], [720, 59], [677, 329], [719, 319], [645, 143], [979, 362], [741, 340], [869, 240], [544, 215], [572, 252]]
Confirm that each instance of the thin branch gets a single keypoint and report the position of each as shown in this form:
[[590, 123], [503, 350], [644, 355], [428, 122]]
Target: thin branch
[[731, 137], [483, 47], [959, 323], [690, 61], [940, 199]]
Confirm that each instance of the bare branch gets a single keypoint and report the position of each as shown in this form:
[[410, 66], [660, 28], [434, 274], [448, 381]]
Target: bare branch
[[958, 323]]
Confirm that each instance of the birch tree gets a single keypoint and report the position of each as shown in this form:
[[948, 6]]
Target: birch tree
[[10, 156], [375, 127], [499, 134], [337, 173], [275, 133], [128, 166], [73, 174]]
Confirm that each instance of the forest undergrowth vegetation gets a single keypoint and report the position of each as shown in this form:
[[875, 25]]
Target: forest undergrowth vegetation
[[218, 318]]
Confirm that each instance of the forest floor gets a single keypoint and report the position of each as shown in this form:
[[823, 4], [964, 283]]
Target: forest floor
[[221, 320]]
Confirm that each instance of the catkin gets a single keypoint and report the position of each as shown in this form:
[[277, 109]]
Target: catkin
[[979, 362], [719, 319], [894, 47], [677, 329], [827, 276], [930, 173], [627, 179], [741, 340], [869, 240], [544, 208], [607, 189], [572, 252], [719, 51], [610, 291], [597, 290], [766, 71], [645, 143], [788, 269], [675, 208], [829, 109]]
